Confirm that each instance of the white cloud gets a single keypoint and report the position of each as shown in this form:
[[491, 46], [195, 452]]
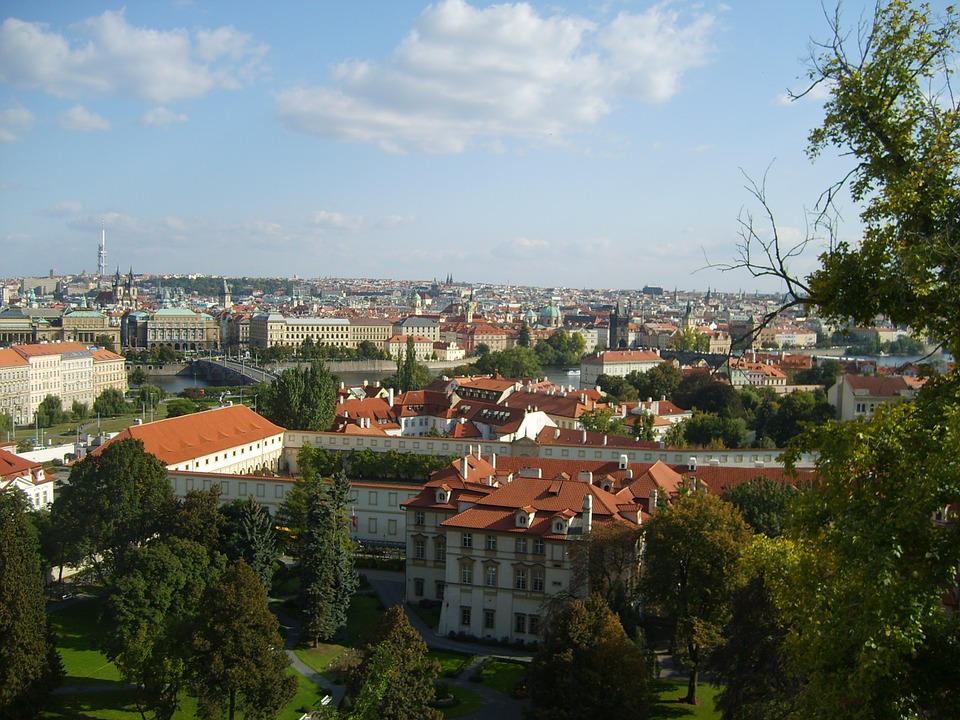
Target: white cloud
[[13, 122], [466, 76], [323, 221], [106, 56], [161, 117], [82, 120]]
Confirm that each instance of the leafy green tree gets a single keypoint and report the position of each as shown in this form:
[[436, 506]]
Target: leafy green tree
[[137, 377], [660, 381], [707, 429], [706, 394], [197, 517], [794, 412], [872, 550], [29, 663], [394, 678], [50, 412], [587, 667], [561, 348], [515, 362], [763, 503], [116, 498], [301, 398], [603, 420], [693, 549], [6, 422], [410, 375], [618, 387], [110, 403], [328, 579], [236, 659], [750, 665], [367, 350], [153, 597], [151, 395], [689, 338], [180, 406], [79, 410], [105, 342], [318, 461], [823, 373]]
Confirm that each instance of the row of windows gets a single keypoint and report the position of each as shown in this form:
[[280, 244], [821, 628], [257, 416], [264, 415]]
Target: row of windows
[[523, 578], [522, 624], [520, 543]]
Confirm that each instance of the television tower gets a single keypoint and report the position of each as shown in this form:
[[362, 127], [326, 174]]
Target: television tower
[[102, 255]]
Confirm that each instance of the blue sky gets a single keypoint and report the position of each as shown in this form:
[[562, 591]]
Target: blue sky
[[580, 144]]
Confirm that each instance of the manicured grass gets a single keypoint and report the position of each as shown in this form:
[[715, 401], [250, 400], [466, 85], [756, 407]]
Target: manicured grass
[[308, 696], [467, 702], [503, 675], [451, 664], [363, 614], [79, 633], [670, 707]]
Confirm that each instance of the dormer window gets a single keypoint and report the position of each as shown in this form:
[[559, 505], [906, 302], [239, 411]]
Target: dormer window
[[559, 526], [443, 495]]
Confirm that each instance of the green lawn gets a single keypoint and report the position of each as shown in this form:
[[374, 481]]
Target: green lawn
[[78, 633], [503, 675], [363, 614], [451, 664], [670, 707], [467, 702]]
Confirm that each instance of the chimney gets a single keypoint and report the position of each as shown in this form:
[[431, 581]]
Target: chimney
[[692, 464], [604, 440], [390, 397], [493, 460], [587, 513], [585, 476], [653, 501], [556, 434], [584, 437], [464, 467], [622, 465]]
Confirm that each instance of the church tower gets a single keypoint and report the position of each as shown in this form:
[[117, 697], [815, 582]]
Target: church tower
[[226, 296]]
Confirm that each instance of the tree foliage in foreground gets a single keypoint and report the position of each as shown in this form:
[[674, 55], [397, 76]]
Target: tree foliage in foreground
[[29, 664], [301, 398], [394, 678], [692, 557], [236, 656], [587, 668], [870, 558], [116, 499]]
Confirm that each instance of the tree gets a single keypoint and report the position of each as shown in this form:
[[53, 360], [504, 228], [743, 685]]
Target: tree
[[750, 664], [660, 381], [689, 338], [763, 503], [523, 336], [707, 429], [236, 657], [515, 362], [410, 374], [250, 535], [690, 572], [795, 411], [603, 420], [105, 342], [180, 406], [618, 387], [607, 562], [6, 422], [151, 395], [705, 393], [823, 373], [301, 398], [153, 597], [561, 348], [116, 498], [394, 678], [873, 548], [137, 377], [29, 663], [891, 111], [327, 577], [110, 403], [79, 410], [50, 412], [586, 667], [197, 517]]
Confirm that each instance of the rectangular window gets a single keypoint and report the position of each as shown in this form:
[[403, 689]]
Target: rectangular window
[[261, 490], [464, 616], [466, 573], [491, 576], [520, 579], [533, 624], [441, 586], [489, 619], [391, 527], [440, 554], [392, 499], [418, 517], [520, 623], [418, 587], [521, 545], [467, 540], [372, 526], [491, 542], [537, 581], [538, 546], [419, 549], [372, 497]]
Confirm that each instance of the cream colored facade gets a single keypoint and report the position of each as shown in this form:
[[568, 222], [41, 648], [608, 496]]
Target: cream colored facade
[[69, 371], [275, 330]]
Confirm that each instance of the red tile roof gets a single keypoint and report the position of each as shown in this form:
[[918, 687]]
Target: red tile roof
[[181, 438]]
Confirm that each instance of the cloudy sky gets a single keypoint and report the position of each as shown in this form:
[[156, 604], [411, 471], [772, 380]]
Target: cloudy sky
[[562, 143]]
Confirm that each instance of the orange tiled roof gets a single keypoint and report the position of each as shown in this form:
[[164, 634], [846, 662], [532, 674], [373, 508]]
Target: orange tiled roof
[[181, 438]]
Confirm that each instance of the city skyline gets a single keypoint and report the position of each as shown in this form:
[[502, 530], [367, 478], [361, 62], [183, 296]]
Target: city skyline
[[535, 144]]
